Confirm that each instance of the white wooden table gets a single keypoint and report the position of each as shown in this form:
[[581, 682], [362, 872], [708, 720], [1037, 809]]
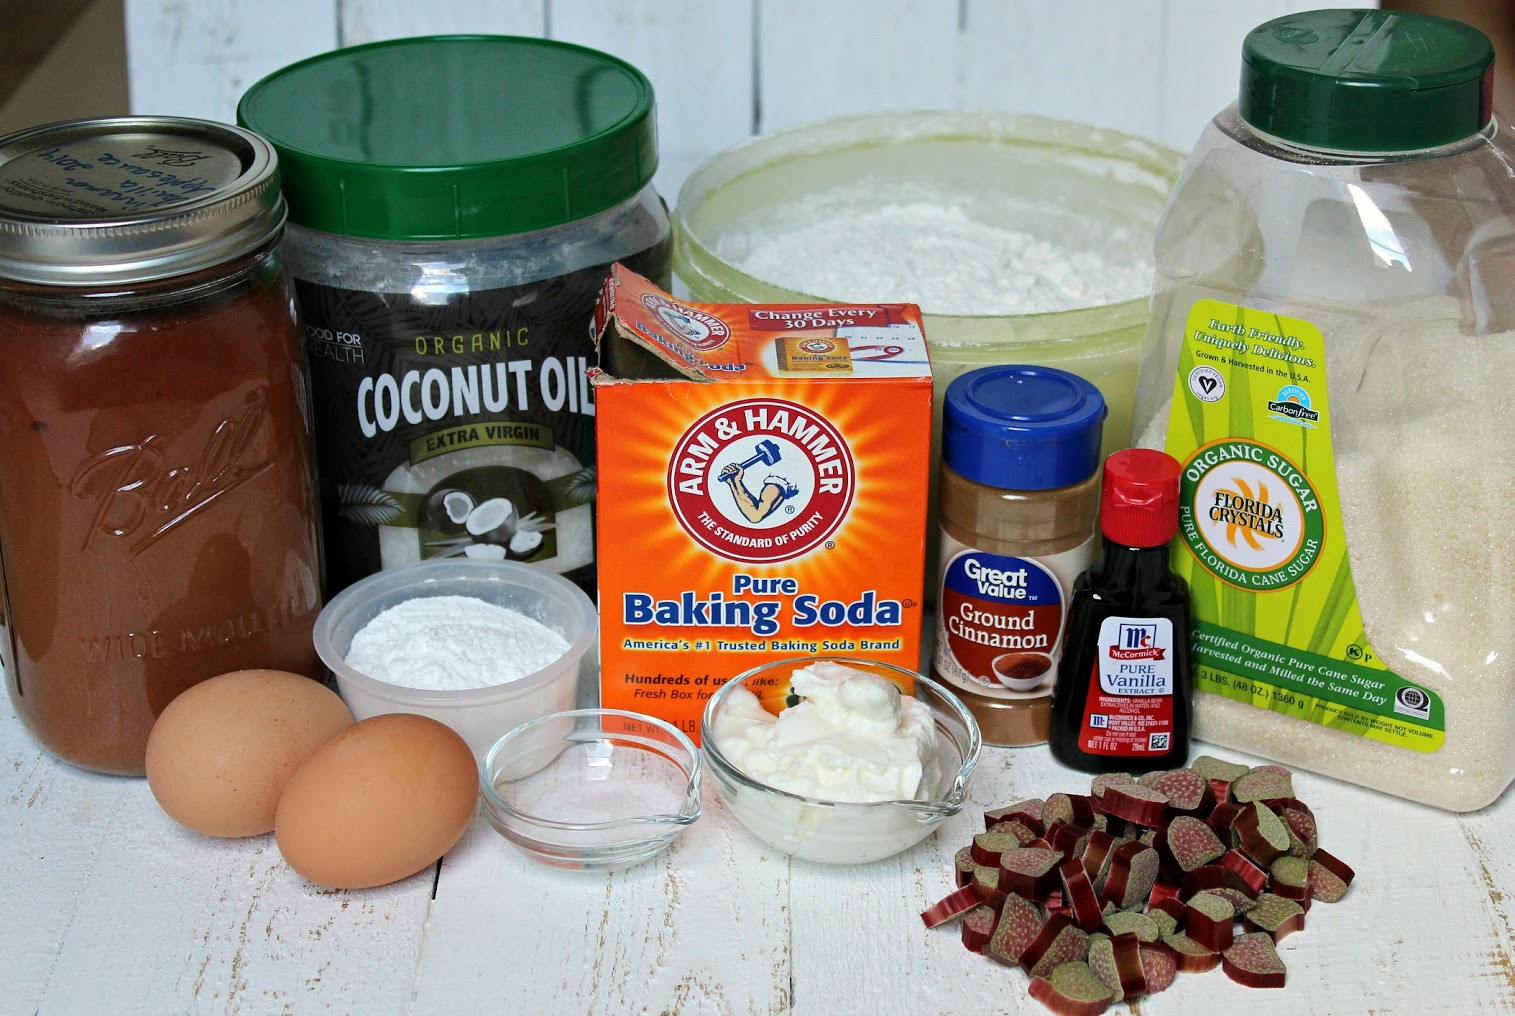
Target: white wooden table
[[109, 907]]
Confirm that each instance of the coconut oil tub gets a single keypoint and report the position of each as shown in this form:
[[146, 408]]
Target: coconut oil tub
[[455, 205], [1330, 353]]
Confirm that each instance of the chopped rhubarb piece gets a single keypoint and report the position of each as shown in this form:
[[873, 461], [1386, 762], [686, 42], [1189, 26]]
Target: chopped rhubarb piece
[[987, 847], [1102, 961], [1276, 916], [1262, 783], [1169, 907], [1133, 870], [1304, 832], [1325, 885], [1079, 893], [1210, 921], [1240, 901], [1060, 941], [1021, 827], [1072, 990], [1028, 871], [987, 881], [1122, 922], [1030, 808], [1192, 957], [1071, 809], [1187, 791], [1099, 783], [1096, 851], [978, 927], [1159, 965], [954, 905], [1217, 769], [1211, 876], [1252, 961], [1290, 877], [1020, 921], [1255, 878], [1070, 841], [963, 864], [1263, 835], [1222, 819], [1334, 865], [1135, 803], [1166, 923], [1186, 843], [1128, 965], [1040, 843], [1162, 891]]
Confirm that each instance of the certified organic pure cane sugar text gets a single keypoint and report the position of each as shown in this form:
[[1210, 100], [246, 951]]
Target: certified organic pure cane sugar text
[[763, 472]]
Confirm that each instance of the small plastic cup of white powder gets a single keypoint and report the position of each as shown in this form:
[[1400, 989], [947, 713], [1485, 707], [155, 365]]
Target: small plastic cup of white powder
[[482, 646]]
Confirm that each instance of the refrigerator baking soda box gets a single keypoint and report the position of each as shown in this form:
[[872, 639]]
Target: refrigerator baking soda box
[[762, 489]]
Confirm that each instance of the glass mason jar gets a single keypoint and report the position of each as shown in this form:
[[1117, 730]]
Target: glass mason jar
[[157, 511], [1329, 354]]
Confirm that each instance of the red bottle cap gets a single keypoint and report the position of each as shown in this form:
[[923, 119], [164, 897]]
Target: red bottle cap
[[1138, 504]]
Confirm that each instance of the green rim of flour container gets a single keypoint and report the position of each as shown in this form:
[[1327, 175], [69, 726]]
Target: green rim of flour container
[[455, 137], [711, 278]]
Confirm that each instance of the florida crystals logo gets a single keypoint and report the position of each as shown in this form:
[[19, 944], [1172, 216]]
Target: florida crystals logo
[[1250, 515], [701, 330], [761, 480]]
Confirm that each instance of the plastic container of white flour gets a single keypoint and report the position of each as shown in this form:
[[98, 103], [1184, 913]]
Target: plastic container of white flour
[[479, 714]]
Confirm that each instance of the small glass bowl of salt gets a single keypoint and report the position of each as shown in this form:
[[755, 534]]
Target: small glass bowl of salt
[[482, 646], [592, 789]]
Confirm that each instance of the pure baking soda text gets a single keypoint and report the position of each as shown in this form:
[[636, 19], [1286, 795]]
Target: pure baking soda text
[[762, 484]]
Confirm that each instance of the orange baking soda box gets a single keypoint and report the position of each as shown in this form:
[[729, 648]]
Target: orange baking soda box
[[762, 490]]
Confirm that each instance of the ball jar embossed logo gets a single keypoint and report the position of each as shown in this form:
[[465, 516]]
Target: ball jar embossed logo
[[761, 480], [140, 494]]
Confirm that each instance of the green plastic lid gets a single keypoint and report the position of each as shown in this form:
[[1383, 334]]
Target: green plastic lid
[[1366, 81], [455, 137]]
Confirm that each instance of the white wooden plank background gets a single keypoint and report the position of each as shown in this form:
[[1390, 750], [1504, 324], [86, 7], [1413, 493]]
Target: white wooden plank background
[[726, 69]]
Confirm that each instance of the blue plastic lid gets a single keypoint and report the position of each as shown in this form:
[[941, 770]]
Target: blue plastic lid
[[1022, 428]]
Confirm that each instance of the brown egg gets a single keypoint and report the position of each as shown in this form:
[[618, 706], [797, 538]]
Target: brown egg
[[380, 801], [220, 754]]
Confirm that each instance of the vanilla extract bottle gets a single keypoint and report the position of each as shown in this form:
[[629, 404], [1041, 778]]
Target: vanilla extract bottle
[[1123, 696]]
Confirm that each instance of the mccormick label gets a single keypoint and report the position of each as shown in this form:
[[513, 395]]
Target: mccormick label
[[1129, 710], [764, 473]]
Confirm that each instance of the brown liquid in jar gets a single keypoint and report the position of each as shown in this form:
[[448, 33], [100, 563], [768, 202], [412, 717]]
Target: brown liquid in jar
[[156, 499]]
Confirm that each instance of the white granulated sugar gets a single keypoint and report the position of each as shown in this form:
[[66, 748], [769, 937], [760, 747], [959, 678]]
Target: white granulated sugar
[[453, 643], [936, 255]]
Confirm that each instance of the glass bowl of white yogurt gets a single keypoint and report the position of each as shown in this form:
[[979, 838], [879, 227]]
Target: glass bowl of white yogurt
[[836, 759]]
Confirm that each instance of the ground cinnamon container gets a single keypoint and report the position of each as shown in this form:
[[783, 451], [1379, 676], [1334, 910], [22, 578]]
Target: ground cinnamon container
[[157, 515], [1019, 495]]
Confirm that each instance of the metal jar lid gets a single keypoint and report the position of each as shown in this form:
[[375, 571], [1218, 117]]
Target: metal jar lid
[[132, 199]]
